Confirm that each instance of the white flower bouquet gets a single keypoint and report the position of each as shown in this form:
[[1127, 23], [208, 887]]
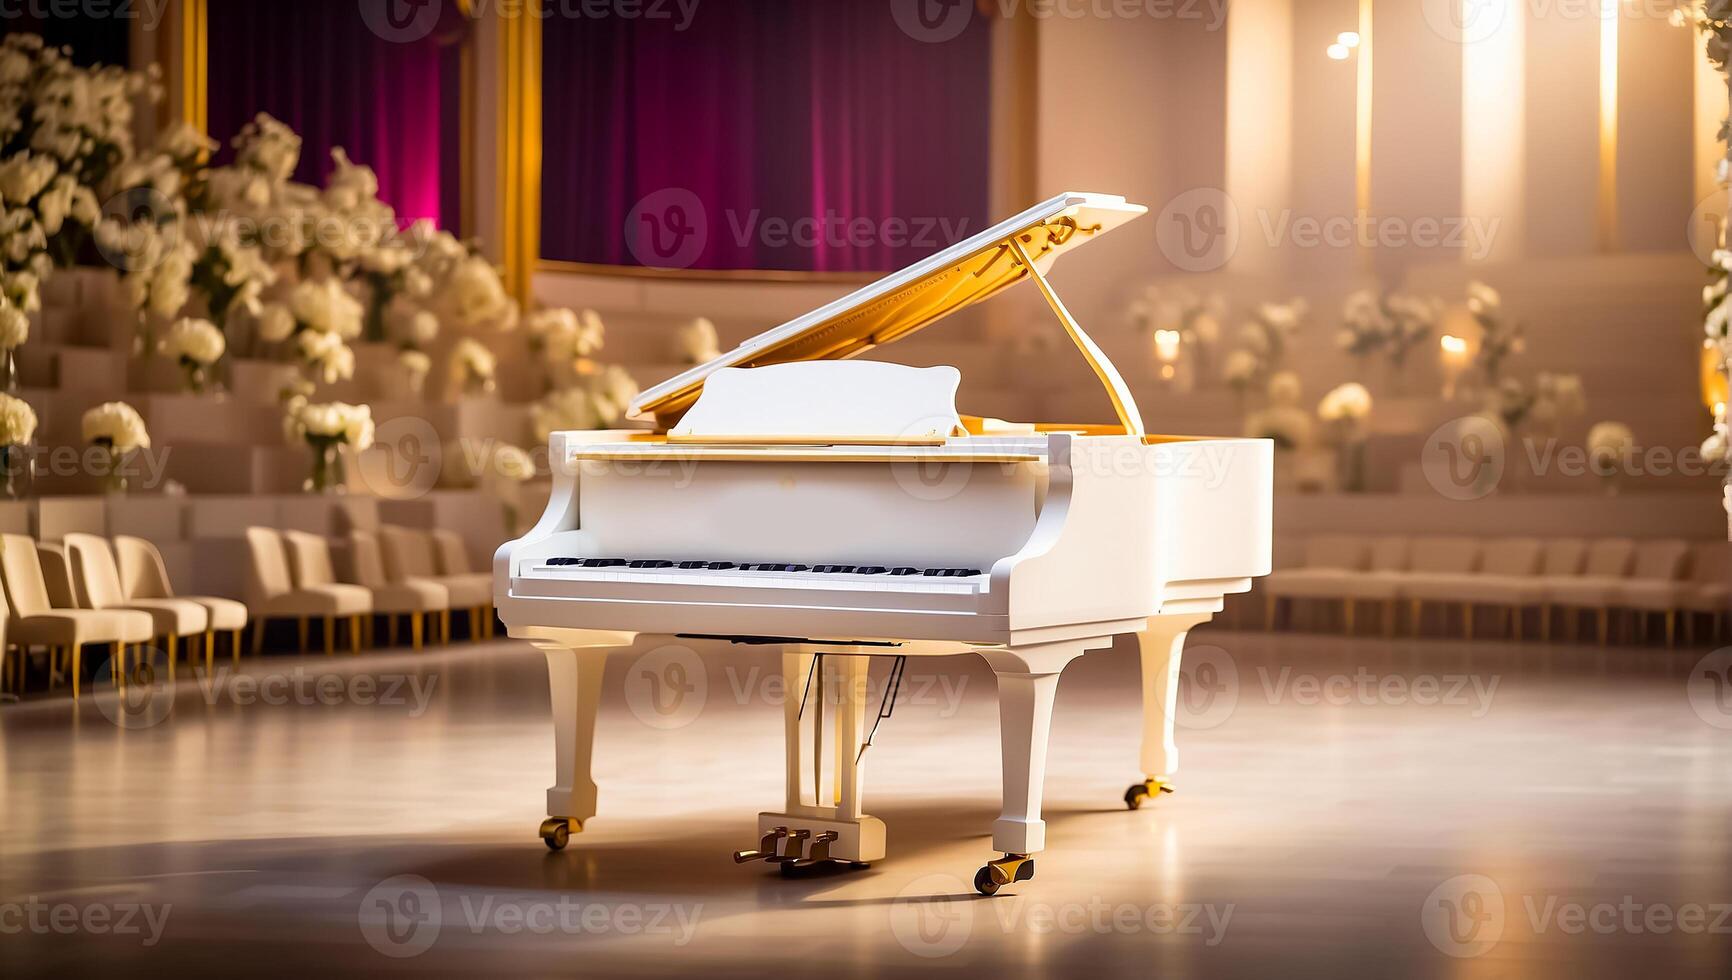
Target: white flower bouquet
[[1343, 412], [1610, 446], [472, 367], [327, 428], [17, 421], [696, 341], [324, 356], [196, 345], [117, 429]]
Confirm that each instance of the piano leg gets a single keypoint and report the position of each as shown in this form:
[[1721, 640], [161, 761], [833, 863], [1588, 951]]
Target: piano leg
[[575, 663], [1027, 682], [1162, 645]]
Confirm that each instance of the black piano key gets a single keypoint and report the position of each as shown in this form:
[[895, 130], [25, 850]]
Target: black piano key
[[563, 561], [952, 572], [905, 571], [830, 569], [651, 563], [719, 566], [694, 564], [773, 567], [603, 562], [871, 570]]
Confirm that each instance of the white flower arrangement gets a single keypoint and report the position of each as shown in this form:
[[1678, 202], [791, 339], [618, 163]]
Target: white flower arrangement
[[14, 325], [1392, 325], [563, 410], [1266, 337], [115, 426], [195, 341], [1239, 370], [17, 421], [334, 423], [325, 356], [474, 295], [276, 324], [1346, 403], [472, 366], [326, 307], [1609, 446], [696, 341], [1500, 337]]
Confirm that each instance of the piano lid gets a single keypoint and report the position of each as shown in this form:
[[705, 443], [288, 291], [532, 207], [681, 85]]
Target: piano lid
[[905, 301]]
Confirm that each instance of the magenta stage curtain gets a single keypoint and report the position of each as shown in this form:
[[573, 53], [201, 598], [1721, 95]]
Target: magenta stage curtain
[[772, 134], [318, 66]]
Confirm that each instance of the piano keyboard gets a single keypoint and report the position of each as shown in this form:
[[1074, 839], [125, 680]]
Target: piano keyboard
[[860, 578]]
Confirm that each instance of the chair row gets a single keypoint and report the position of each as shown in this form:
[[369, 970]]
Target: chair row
[[1674, 579], [397, 573], [89, 591]]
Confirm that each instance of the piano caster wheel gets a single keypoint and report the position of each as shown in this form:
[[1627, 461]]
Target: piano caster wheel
[[556, 832], [1139, 792], [1006, 870]]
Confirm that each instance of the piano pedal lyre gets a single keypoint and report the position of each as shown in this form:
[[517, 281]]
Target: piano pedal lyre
[[766, 849], [1148, 789]]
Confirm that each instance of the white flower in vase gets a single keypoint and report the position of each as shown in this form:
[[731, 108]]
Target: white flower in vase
[[1343, 412], [327, 428], [25, 175], [324, 305], [276, 323], [513, 463], [325, 356], [563, 410], [269, 147], [118, 429], [472, 367], [611, 389], [17, 421], [696, 341], [1609, 447], [14, 326], [475, 296], [416, 365], [196, 344]]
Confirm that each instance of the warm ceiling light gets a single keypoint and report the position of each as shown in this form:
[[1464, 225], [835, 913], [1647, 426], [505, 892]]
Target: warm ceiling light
[[1452, 344], [1338, 52], [1348, 38]]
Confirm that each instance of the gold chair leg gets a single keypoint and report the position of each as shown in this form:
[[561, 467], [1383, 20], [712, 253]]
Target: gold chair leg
[[417, 623], [330, 635], [259, 637], [1415, 608], [301, 625], [391, 628], [77, 666], [1347, 616], [172, 644], [209, 650], [1467, 620], [1671, 628], [1604, 620], [355, 634]]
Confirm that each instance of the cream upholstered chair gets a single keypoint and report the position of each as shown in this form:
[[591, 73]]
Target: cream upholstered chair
[[1329, 560], [1604, 568], [144, 575], [410, 556], [96, 582], [1504, 560], [453, 561], [34, 620], [1436, 559], [1711, 578], [272, 593], [1656, 584], [416, 598], [312, 569]]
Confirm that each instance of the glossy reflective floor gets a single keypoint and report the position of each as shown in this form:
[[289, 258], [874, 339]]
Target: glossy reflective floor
[[1346, 808]]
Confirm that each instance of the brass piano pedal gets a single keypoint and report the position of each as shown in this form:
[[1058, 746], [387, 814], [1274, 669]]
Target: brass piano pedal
[[996, 874], [1147, 789], [820, 850], [766, 849], [793, 847]]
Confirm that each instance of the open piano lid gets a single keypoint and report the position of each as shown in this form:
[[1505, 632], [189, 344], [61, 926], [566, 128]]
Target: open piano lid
[[905, 301]]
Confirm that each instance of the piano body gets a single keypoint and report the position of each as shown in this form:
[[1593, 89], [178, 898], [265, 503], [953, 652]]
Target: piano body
[[841, 508]]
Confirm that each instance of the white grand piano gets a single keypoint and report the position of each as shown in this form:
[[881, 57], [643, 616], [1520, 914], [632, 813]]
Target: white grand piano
[[843, 509]]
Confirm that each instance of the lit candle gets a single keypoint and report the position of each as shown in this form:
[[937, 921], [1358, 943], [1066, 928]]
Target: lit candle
[[1453, 352], [1167, 345]]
